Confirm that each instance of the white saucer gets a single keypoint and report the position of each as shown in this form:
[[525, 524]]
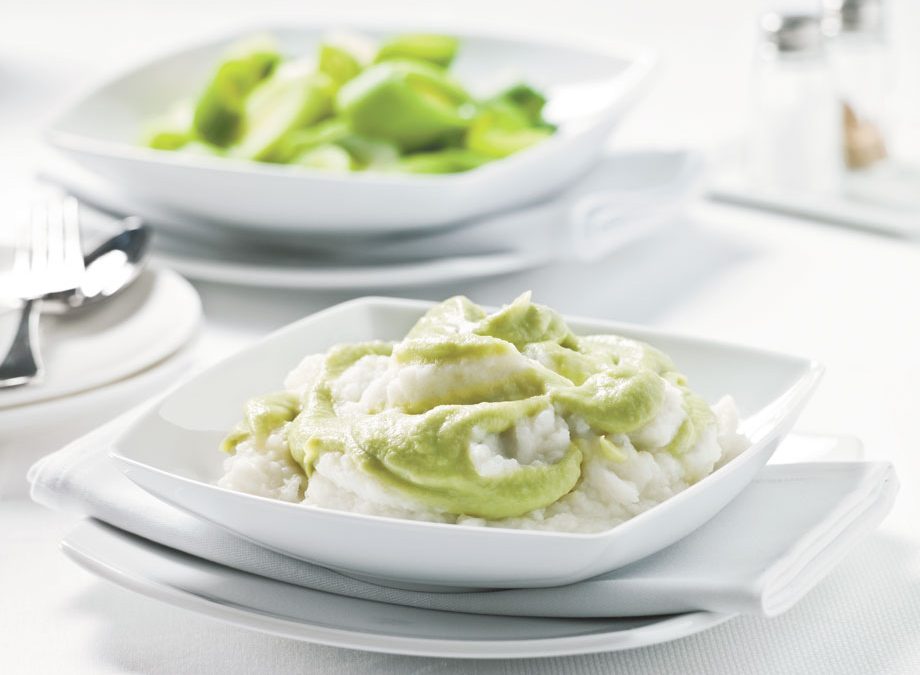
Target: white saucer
[[298, 613], [110, 341]]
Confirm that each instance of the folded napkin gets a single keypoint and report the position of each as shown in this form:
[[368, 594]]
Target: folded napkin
[[760, 555]]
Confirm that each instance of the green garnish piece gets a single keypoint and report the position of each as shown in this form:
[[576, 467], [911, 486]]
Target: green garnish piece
[[300, 140], [392, 108], [220, 110], [502, 129], [325, 158], [526, 99], [202, 149], [172, 130], [450, 160], [437, 49], [409, 103], [370, 153], [294, 97], [338, 62]]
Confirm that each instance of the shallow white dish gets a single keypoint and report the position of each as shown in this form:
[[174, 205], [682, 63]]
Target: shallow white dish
[[272, 607], [172, 453], [112, 340], [589, 90]]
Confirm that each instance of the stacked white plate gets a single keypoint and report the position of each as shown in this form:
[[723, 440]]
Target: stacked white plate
[[622, 199], [258, 224]]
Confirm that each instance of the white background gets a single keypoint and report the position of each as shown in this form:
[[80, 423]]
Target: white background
[[846, 298]]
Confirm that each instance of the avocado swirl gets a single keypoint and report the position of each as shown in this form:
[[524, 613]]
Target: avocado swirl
[[417, 415]]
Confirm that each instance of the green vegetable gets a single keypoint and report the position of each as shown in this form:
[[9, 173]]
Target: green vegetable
[[389, 108], [451, 160], [202, 148], [502, 129], [527, 100], [293, 97], [171, 131], [370, 153], [409, 103], [437, 49], [338, 62], [326, 158], [219, 112], [298, 141]]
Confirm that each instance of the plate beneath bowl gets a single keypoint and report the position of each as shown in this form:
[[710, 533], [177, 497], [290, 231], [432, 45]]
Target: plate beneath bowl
[[276, 608], [627, 196], [172, 452]]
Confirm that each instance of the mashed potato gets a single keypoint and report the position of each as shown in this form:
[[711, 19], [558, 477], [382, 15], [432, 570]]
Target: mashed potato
[[502, 420]]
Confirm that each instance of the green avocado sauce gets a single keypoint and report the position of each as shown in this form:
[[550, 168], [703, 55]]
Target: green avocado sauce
[[489, 372]]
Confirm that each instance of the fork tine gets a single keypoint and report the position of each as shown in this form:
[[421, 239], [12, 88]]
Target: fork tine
[[39, 226], [21, 259], [55, 228], [73, 249]]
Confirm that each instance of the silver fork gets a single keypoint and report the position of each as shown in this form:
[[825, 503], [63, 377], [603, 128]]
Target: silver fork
[[48, 264]]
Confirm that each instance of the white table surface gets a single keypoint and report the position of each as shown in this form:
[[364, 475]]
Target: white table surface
[[846, 298]]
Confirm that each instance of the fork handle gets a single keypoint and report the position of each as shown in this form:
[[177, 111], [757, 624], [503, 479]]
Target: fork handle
[[22, 363]]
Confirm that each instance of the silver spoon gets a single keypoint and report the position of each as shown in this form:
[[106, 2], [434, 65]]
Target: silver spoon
[[109, 268]]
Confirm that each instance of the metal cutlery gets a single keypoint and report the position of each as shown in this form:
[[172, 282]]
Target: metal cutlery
[[110, 267], [48, 265]]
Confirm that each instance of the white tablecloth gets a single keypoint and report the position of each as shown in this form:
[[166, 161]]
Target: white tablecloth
[[846, 298]]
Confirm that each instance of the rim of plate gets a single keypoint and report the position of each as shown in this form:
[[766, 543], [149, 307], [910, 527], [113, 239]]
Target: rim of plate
[[669, 628], [331, 278]]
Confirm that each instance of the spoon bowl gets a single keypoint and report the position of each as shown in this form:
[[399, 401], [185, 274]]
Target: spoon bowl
[[109, 268]]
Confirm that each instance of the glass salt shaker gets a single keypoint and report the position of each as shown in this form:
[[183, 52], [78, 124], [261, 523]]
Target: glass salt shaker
[[796, 124], [861, 61]]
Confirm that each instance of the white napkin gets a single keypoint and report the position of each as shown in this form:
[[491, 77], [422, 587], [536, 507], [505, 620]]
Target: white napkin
[[760, 555]]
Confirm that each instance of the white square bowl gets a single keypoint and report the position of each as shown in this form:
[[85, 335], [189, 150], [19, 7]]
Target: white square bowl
[[590, 89], [172, 452]]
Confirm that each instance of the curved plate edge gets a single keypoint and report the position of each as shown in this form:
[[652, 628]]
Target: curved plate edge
[[76, 546]]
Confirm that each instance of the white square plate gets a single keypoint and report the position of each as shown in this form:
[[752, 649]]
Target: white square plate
[[172, 452], [589, 89]]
